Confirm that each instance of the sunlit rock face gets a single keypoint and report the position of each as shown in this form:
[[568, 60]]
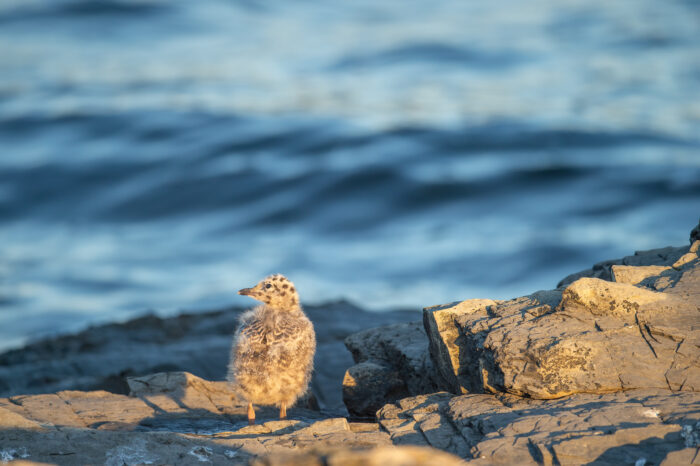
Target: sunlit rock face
[[592, 336], [656, 425]]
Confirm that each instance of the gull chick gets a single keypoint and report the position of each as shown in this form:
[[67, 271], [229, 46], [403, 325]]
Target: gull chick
[[272, 355]]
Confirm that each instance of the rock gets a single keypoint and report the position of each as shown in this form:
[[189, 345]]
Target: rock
[[663, 257], [402, 347], [381, 456], [102, 358], [25, 463], [10, 420], [392, 362], [368, 386], [695, 233], [634, 275], [616, 428], [594, 336], [327, 426], [685, 259], [695, 247], [170, 418], [420, 421], [439, 323]]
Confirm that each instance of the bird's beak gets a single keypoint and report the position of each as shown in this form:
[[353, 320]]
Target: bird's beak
[[246, 291]]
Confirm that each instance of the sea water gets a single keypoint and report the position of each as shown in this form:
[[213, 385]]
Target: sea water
[[160, 155]]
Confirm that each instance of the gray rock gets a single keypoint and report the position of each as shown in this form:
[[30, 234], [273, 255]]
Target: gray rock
[[420, 421], [633, 275], [616, 428], [170, 418], [380, 456], [401, 346], [594, 336], [392, 362], [663, 257], [695, 233], [368, 386], [444, 338]]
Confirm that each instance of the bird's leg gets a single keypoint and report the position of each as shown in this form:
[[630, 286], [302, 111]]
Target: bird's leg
[[251, 414], [283, 410]]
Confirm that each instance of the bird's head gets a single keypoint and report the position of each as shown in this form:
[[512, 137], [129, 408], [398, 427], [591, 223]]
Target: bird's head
[[276, 291]]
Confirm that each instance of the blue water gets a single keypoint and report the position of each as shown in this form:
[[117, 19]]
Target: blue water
[[163, 154]]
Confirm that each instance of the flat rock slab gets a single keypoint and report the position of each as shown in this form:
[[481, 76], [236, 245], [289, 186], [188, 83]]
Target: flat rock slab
[[594, 336], [169, 418], [620, 428]]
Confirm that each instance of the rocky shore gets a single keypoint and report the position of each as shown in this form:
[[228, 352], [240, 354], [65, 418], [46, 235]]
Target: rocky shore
[[603, 369], [103, 357]]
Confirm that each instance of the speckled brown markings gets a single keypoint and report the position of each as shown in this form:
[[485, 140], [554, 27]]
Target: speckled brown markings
[[273, 348]]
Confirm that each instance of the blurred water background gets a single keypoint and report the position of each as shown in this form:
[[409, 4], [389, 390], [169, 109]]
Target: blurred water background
[[162, 154]]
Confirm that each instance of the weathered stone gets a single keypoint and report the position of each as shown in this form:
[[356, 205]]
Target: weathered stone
[[695, 233], [392, 362], [601, 298], [664, 257], [381, 456], [685, 259], [368, 386], [49, 409], [21, 462], [99, 407], [169, 419], [12, 407], [178, 392], [400, 346], [10, 419], [291, 459], [633, 275], [420, 421], [325, 426], [284, 426], [599, 337], [614, 428], [86, 446], [695, 247], [439, 323], [685, 456], [364, 426]]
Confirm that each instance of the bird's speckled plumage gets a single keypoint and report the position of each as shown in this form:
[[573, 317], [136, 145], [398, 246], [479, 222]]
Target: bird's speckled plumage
[[273, 348]]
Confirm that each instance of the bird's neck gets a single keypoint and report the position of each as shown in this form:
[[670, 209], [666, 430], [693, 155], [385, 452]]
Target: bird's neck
[[281, 309]]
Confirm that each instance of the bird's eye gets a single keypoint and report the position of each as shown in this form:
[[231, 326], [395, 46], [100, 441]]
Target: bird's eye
[[268, 286]]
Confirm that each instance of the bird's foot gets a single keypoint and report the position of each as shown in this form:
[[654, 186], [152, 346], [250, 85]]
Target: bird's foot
[[251, 414]]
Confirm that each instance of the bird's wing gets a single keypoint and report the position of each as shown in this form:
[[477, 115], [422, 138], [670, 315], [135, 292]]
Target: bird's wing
[[292, 332], [253, 331]]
